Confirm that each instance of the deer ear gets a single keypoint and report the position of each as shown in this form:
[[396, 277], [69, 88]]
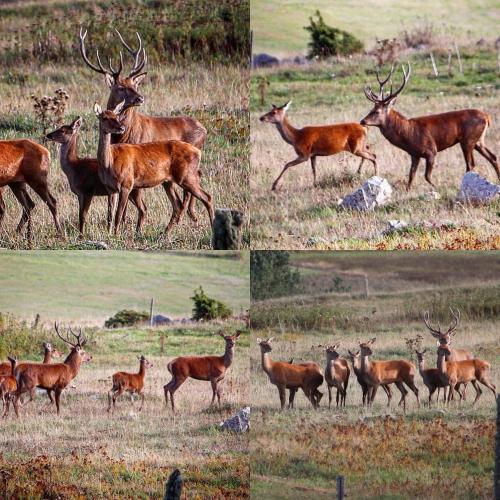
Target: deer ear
[[138, 79], [274, 106], [119, 107], [110, 81], [97, 109], [286, 106], [77, 123]]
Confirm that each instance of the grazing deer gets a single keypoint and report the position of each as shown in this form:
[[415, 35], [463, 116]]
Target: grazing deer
[[83, 177], [54, 377], [133, 383], [8, 387], [140, 128], [325, 140], [123, 167], [376, 373], [306, 376], [355, 359], [24, 162], [337, 374], [425, 136], [454, 373], [430, 376], [209, 368]]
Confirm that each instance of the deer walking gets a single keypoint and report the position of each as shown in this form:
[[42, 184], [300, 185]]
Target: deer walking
[[425, 136], [124, 167], [24, 162], [307, 376], [8, 387], [53, 377], [141, 128], [325, 140], [209, 368], [133, 383], [337, 374]]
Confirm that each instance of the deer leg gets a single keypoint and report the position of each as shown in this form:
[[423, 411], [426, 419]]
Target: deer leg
[[366, 155], [388, 392], [42, 190], [84, 201], [413, 387], [282, 393], [220, 392], [484, 151], [490, 385], [142, 400], [177, 208], [345, 390], [403, 391], [478, 392], [291, 398], [22, 196], [313, 168], [329, 396], [374, 389], [171, 387], [111, 210], [2, 206], [122, 205], [57, 393], [192, 184], [338, 398], [51, 399], [415, 160], [432, 390], [297, 161], [214, 390], [429, 164], [137, 199]]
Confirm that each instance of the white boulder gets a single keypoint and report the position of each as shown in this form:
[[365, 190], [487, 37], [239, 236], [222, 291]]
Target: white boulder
[[239, 423], [375, 192], [477, 190]]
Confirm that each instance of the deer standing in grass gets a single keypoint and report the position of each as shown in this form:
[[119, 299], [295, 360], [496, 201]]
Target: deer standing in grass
[[8, 387], [324, 140], [141, 128], [456, 372], [24, 162], [54, 377], [337, 374], [209, 368], [430, 376], [317, 395], [133, 383], [306, 376], [425, 136], [376, 373], [124, 167], [83, 177]]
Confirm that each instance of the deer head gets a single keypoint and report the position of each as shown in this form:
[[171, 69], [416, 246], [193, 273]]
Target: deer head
[[48, 347], [77, 346], [144, 362], [443, 337], [230, 339], [383, 101], [420, 354], [121, 88], [353, 356], [109, 120], [277, 114], [265, 345], [63, 134], [331, 351], [365, 347]]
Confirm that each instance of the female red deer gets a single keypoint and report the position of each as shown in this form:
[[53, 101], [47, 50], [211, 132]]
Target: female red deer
[[430, 376], [133, 383], [425, 136], [336, 374], [8, 387], [209, 368], [324, 140]]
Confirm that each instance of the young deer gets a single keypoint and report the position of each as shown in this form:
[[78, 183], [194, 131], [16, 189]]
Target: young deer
[[123, 167], [25, 162], [425, 136], [337, 374], [83, 177], [8, 387], [53, 377], [376, 373], [306, 376], [325, 140], [133, 383], [140, 128], [471, 370], [430, 376], [209, 368]]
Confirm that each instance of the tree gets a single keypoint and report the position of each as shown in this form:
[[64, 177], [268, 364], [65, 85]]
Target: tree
[[271, 274], [206, 308], [327, 41]]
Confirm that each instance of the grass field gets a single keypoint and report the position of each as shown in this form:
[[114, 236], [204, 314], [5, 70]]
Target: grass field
[[85, 452], [211, 90], [381, 452], [463, 20], [300, 216]]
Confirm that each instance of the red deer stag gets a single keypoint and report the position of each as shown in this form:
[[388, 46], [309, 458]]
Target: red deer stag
[[337, 374], [209, 368], [140, 128], [376, 373], [133, 383], [8, 387], [430, 376], [306, 376], [24, 162], [123, 167], [83, 177], [54, 377], [454, 373], [325, 140], [425, 136]]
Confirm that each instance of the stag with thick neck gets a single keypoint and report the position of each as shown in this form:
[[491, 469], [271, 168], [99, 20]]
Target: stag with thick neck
[[425, 136]]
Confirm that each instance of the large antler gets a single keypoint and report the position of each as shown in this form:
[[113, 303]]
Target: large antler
[[381, 98], [138, 63], [79, 341], [100, 68], [435, 333], [453, 326]]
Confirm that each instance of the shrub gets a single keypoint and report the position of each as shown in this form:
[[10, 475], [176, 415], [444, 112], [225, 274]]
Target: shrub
[[327, 41], [126, 317], [206, 308]]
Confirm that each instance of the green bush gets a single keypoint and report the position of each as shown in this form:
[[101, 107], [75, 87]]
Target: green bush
[[206, 308], [327, 41], [126, 317]]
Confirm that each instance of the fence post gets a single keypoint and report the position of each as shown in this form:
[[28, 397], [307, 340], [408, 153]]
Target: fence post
[[340, 487], [497, 454], [162, 342], [227, 229], [151, 312]]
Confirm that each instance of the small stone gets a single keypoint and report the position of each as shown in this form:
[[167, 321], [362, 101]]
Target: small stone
[[476, 190], [375, 192], [239, 422], [430, 195]]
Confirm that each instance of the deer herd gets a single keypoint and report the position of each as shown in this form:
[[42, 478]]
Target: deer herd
[[135, 152], [421, 137], [19, 379], [454, 368]]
